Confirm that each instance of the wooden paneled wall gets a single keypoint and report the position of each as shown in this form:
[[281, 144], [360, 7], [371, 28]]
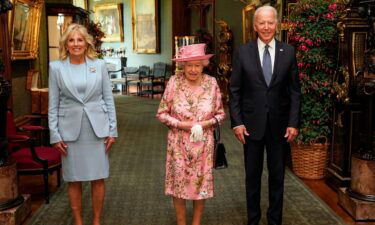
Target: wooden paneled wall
[[5, 45], [180, 19]]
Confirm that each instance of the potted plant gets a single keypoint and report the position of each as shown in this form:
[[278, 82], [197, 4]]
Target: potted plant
[[314, 34]]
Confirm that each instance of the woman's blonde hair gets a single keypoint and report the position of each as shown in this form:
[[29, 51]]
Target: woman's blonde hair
[[89, 52]]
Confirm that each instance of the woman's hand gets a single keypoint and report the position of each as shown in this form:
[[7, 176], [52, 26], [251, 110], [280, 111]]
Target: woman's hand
[[188, 125], [61, 147], [206, 124], [185, 125], [109, 141]]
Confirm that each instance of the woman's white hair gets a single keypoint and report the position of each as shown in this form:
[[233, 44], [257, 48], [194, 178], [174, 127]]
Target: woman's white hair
[[265, 8], [205, 63]]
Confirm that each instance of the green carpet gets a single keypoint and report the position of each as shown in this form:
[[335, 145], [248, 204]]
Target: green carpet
[[135, 189]]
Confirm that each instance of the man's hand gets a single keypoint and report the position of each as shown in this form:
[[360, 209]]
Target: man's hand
[[290, 134], [61, 146], [240, 133]]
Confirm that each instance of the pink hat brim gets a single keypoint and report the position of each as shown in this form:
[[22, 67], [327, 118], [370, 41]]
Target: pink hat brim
[[201, 57]]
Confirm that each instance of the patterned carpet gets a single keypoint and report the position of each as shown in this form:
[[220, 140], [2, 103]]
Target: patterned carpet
[[135, 187]]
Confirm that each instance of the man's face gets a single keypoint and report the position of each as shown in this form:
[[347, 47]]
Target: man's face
[[265, 25]]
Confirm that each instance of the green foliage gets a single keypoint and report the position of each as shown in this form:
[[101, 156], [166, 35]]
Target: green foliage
[[314, 34]]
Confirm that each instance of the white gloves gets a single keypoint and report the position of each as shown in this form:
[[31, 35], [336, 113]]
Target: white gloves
[[196, 133]]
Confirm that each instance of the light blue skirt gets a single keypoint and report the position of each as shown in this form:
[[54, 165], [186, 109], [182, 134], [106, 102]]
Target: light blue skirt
[[86, 159]]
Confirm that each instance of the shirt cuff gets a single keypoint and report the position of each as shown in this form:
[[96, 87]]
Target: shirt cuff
[[238, 126]]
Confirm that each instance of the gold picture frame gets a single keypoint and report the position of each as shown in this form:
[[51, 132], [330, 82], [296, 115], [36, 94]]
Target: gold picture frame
[[110, 17], [145, 26], [81, 3], [24, 27], [248, 32]]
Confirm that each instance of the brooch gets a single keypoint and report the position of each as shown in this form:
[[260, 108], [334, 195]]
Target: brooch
[[92, 69]]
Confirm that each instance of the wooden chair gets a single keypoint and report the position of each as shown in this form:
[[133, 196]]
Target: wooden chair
[[32, 159], [131, 78], [144, 77], [156, 80]]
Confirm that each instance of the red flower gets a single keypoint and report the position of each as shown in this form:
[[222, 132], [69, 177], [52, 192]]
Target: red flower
[[309, 42], [329, 16], [332, 7], [303, 48]]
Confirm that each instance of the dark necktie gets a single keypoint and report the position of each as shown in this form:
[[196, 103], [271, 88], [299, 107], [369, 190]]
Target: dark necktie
[[267, 65]]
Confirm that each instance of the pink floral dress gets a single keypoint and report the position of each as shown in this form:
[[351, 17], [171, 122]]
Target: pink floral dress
[[189, 165]]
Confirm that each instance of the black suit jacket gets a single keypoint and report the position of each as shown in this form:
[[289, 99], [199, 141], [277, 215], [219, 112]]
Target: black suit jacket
[[252, 102]]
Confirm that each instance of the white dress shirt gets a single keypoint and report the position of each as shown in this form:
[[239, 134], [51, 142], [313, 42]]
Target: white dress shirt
[[271, 49]]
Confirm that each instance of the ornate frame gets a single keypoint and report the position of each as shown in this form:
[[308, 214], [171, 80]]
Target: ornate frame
[[140, 31], [81, 3], [24, 31], [101, 12], [248, 31]]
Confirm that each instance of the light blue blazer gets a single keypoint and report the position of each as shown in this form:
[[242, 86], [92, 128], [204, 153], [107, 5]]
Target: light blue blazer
[[66, 107]]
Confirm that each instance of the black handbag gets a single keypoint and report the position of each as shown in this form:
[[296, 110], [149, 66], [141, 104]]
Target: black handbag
[[220, 161]]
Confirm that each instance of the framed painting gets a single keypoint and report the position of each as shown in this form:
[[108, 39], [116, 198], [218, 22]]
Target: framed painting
[[145, 25], [81, 3], [248, 32], [24, 26], [110, 18]]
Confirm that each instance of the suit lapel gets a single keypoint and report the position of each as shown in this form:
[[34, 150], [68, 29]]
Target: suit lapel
[[66, 77], [278, 55], [93, 73], [255, 54]]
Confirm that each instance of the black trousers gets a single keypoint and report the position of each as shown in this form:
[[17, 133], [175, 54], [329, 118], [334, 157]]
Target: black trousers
[[254, 157]]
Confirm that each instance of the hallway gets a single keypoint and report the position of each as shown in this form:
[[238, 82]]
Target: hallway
[[135, 187]]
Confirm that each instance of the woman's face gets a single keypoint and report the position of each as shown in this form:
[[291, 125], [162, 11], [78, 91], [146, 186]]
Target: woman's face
[[76, 44], [193, 70]]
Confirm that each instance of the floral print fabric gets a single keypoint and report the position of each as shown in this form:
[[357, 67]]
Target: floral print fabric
[[189, 165]]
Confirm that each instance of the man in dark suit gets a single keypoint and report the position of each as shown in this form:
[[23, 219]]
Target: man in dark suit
[[264, 106]]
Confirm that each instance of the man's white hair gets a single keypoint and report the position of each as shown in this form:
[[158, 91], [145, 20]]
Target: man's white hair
[[265, 8]]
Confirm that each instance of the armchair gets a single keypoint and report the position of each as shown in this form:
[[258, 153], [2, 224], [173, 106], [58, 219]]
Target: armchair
[[32, 159]]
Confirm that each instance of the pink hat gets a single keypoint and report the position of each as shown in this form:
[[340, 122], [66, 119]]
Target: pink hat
[[191, 53]]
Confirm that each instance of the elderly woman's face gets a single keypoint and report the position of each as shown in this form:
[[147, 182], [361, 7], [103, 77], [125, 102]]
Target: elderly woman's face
[[76, 44], [193, 70]]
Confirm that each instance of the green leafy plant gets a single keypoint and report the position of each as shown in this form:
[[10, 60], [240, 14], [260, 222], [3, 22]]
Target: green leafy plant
[[313, 32]]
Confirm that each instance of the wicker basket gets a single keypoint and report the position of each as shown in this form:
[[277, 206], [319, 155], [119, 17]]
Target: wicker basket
[[309, 160]]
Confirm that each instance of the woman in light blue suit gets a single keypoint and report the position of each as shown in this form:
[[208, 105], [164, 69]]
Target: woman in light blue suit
[[82, 118]]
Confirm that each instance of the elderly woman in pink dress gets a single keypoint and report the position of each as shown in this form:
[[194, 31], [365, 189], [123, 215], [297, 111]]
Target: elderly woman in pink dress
[[191, 107]]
